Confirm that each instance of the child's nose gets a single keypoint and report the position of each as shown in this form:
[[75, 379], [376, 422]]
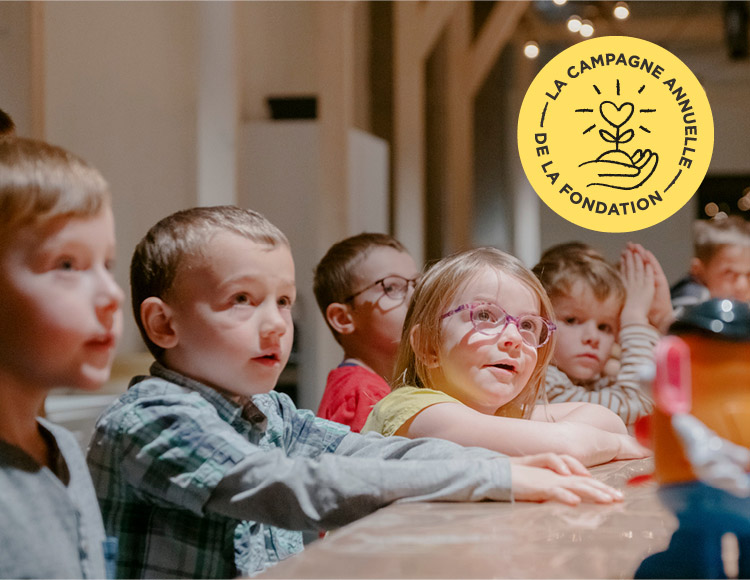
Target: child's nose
[[272, 322], [590, 333], [109, 295], [511, 337]]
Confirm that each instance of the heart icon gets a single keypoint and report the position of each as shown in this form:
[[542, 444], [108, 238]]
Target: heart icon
[[614, 115]]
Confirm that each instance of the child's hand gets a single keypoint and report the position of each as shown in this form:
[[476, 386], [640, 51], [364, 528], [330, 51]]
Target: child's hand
[[559, 463], [535, 484], [661, 314], [638, 277]]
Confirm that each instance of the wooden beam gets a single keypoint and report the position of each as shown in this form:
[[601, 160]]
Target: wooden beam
[[431, 20], [458, 148], [408, 132], [495, 34], [662, 30]]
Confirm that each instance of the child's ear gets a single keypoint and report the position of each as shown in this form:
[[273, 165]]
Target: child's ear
[[424, 353], [339, 316], [698, 270], [156, 317]]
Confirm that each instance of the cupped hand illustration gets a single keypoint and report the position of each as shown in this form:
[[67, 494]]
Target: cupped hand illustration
[[618, 170]]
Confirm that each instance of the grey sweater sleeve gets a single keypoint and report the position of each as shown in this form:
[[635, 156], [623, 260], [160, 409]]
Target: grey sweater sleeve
[[364, 474]]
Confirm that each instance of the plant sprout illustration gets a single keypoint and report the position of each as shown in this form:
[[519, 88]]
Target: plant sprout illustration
[[616, 168]]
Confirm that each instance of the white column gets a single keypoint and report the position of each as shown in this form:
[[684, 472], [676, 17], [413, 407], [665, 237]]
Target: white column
[[218, 104]]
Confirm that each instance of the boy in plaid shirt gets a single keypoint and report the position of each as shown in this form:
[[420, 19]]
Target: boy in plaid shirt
[[202, 470]]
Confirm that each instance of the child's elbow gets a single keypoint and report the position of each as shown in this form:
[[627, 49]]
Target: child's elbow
[[606, 419]]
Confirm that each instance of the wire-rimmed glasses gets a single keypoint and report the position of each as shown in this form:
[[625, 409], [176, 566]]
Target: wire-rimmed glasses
[[491, 320], [394, 286]]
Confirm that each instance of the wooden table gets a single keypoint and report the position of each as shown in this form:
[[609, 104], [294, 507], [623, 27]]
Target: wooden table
[[497, 540]]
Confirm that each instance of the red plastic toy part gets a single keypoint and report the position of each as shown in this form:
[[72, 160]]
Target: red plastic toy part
[[672, 392]]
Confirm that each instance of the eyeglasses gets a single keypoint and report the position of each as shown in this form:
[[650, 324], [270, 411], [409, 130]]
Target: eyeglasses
[[395, 287], [492, 320]]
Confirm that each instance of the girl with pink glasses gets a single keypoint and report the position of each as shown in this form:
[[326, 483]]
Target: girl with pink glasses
[[475, 347]]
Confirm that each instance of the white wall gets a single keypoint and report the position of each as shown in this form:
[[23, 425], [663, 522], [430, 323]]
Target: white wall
[[15, 63], [121, 93], [278, 47], [277, 53]]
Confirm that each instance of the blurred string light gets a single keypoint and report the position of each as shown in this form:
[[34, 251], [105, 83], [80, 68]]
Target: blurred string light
[[711, 209], [621, 11], [587, 28], [531, 49], [574, 23], [560, 2]]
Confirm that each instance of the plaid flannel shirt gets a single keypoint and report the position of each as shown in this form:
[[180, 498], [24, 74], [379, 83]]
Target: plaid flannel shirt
[[161, 449]]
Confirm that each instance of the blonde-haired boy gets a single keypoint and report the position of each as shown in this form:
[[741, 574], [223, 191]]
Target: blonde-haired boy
[[203, 470], [720, 267], [60, 320], [598, 309]]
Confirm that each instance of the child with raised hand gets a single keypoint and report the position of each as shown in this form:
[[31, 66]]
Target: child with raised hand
[[475, 347], [60, 320], [362, 286], [597, 309], [203, 470]]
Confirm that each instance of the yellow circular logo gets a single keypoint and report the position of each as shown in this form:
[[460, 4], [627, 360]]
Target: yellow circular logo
[[615, 134]]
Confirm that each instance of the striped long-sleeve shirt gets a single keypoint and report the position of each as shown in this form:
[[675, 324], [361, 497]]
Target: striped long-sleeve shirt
[[620, 393]]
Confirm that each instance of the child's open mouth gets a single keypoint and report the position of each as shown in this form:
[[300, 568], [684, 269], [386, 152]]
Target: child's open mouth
[[268, 359], [504, 367]]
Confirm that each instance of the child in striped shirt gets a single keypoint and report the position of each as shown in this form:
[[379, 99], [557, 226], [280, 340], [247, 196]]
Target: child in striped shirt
[[599, 309]]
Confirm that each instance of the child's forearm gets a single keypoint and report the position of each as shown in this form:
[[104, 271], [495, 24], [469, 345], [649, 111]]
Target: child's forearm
[[586, 413], [465, 426], [335, 490]]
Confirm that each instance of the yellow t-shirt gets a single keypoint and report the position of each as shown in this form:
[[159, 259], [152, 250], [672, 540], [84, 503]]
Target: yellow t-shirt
[[396, 408]]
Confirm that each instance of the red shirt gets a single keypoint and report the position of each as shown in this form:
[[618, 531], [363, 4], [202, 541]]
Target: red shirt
[[351, 392]]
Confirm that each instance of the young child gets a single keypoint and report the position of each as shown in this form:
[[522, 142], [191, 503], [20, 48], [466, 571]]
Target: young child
[[597, 309], [720, 267], [475, 347], [60, 319], [363, 285], [202, 470]]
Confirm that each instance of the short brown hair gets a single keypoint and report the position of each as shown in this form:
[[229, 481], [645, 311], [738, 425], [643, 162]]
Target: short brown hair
[[433, 295], [162, 251], [561, 266], [333, 281], [40, 182], [710, 236]]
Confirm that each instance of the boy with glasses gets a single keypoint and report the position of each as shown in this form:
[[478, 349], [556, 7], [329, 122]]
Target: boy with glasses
[[363, 285]]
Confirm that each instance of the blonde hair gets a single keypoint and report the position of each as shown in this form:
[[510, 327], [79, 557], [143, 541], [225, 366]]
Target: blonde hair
[[182, 236], [431, 299], [710, 236], [561, 266], [40, 182]]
